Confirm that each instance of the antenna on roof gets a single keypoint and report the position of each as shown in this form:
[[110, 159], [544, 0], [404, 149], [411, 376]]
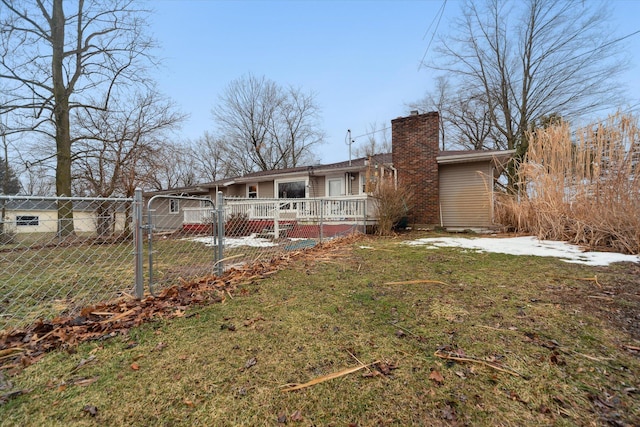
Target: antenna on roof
[[349, 141]]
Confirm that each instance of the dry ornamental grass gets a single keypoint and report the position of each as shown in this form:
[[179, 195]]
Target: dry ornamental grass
[[581, 187]]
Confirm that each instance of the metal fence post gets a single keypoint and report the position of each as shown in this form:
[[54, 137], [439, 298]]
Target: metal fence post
[[220, 215], [276, 220], [138, 250], [322, 205]]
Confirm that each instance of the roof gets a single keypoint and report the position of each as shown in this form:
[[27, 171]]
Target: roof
[[35, 203], [444, 157], [348, 165], [468, 156]]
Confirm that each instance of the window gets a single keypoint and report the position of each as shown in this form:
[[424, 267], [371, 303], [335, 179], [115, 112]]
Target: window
[[28, 220], [336, 187], [292, 190], [252, 191], [174, 206]]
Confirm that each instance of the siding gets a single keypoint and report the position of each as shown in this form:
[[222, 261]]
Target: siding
[[466, 195], [83, 222], [265, 190]]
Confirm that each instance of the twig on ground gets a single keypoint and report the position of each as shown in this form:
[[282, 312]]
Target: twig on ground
[[588, 279], [358, 360], [10, 352], [281, 303], [292, 387], [227, 259], [415, 282], [450, 356], [497, 329]]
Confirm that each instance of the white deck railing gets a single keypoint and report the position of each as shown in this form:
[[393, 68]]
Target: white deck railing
[[327, 209]]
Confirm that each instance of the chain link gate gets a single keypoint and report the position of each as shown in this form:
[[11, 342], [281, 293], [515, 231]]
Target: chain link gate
[[183, 239]]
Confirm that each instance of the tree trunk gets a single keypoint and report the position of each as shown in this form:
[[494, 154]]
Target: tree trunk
[[61, 117]]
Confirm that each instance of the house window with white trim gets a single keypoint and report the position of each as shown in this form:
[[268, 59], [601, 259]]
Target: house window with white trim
[[252, 191], [291, 190], [174, 206], [336, 187]]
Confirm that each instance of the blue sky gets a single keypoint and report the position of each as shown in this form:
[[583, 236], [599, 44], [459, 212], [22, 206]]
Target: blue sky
[[360, 58]]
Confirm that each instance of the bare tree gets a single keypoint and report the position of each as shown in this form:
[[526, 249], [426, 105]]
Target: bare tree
[[9, 183], [52, 62], [465, 121], [38, 180], [123, 145], [274, 127], [523, 60], [122, 148], [378, 141], [174, 167], [213, 160]]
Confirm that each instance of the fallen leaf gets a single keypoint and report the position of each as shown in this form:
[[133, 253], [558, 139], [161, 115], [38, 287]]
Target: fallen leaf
[[436, 376], [91, 410], [386, 368], [135, 366], [250, 322], [448, 413], [189, 403], [296, 416], [251, 362], [161, 346], [282, 418]]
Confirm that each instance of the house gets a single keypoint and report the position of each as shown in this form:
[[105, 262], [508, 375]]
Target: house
[[452, 189], [40, 215]]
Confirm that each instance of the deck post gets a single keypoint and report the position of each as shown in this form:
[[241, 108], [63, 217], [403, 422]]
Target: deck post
[[276, 221]]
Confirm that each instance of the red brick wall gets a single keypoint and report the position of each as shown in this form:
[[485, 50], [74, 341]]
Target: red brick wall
[[414, 142]]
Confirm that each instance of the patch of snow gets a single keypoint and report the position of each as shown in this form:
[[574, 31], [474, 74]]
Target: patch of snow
[[235, 242], [527, 245]]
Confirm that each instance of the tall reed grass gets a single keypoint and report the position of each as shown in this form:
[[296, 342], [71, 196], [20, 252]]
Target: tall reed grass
[[582, 187]]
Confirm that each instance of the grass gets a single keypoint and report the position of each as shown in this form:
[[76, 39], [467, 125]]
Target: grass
[[562, 358], [44, 280]]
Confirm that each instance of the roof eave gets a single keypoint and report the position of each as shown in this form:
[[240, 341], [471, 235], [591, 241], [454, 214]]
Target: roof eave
[[497, 156]]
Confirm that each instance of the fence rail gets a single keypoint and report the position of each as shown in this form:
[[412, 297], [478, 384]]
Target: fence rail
[[122, 246]]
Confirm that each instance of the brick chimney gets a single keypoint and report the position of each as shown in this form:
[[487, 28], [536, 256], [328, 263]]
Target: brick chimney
[[414, 144]]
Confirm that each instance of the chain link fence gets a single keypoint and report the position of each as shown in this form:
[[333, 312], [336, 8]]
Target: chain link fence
[[47, 273], [260, 229], [122, 246]]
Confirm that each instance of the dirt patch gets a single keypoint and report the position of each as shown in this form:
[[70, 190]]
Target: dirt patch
[[615, 297]]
